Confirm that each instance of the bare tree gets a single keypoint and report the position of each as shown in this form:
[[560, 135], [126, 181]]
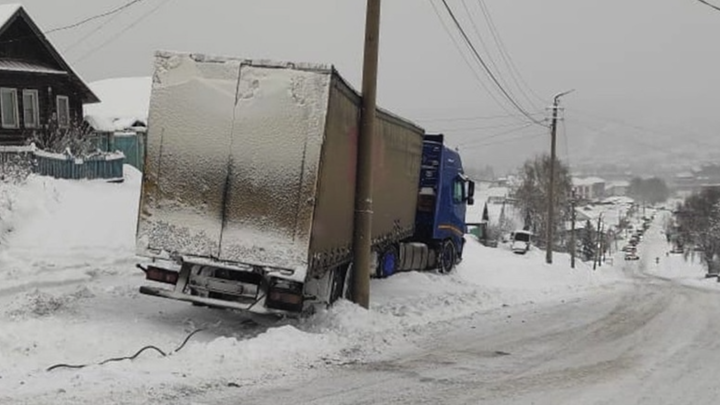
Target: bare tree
[[532, 195]]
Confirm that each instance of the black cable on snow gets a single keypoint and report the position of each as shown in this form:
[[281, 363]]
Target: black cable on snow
[[133, 357]]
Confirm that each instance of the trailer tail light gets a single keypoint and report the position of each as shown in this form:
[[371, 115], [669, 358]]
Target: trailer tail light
[[161, 275], [284, 294]]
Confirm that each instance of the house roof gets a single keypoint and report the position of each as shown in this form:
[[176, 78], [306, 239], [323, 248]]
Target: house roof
[[9, 13], [10, 65], [588, 181]]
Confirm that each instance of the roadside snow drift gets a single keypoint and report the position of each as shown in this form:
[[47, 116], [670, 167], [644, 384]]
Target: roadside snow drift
[[68, 294]]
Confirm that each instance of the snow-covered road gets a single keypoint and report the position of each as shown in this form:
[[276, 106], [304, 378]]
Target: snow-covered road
[[501, 329], [649, 340]]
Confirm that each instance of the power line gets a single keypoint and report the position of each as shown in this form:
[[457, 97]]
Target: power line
[[91, 33], [475, 118], [505, 55], [124, 30], [483, 44], [496, 135], [709, 5], [467, 62], [519, 137], [485, 67], [95, 17], [481, 128]]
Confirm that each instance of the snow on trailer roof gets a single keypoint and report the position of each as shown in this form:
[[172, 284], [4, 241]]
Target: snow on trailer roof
[[167, 59]]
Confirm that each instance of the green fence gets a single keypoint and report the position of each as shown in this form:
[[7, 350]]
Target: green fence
[[132, 145], [107, 166]]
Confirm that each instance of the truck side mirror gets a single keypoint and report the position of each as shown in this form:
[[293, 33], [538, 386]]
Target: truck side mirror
[[470, 192]]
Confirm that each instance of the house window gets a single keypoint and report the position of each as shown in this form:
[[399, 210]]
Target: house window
[[31, 112], [63, 111], [9, 108]]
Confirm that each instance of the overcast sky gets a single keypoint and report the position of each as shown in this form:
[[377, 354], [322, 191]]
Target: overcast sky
[[653, 64]]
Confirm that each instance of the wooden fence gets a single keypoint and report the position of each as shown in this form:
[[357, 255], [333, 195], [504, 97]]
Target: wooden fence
[[108, 166]]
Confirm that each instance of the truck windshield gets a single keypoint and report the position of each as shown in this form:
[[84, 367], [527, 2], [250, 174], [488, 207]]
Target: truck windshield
[[522, 237]]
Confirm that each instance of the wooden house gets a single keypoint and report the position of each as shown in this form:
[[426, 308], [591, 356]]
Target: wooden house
[[39, 92]]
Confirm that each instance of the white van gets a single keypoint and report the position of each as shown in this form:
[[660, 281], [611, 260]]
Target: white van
[[521, 241]]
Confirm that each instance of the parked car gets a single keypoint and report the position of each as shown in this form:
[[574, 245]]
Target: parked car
[[521, 241], [631, 256]]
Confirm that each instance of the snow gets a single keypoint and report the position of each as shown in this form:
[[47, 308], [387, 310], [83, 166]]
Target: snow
[[124, 97], [7, 11], [68, 294]]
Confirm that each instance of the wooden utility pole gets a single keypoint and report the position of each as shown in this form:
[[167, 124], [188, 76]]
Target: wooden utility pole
[[596, 259], [551, 189], [362, 238], [572, 231]]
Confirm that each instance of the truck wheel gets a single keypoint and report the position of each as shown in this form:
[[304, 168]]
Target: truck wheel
[[447, 257], [388, 263]]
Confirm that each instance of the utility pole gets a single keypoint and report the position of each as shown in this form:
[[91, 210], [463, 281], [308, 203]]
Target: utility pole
[[551, 189], [362, 238], [572, 231], [596, 259]]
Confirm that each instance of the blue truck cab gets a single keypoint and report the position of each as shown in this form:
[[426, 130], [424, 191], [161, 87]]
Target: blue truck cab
[[444, 192]]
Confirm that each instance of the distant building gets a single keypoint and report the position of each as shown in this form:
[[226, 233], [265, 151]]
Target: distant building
[[589, 188], [617, 188], [39, 92]]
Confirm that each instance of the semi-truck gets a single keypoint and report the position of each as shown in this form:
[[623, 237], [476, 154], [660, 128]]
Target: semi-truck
[[248, 192]]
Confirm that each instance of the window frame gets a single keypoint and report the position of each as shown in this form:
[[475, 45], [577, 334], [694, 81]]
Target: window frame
[[35, 108], [3, 124], [59, 115]]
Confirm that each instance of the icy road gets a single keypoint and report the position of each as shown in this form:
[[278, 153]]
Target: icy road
[[502, 329], [651, 341]]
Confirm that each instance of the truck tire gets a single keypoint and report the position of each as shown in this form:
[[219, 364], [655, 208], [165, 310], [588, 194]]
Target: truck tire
[[447, 257], [388, 262]]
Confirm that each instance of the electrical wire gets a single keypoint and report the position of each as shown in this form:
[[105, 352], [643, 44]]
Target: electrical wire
[[95, 17], [496, 135], [505, 55], [505, 140], [479, 128], [82, 38], [469, 65], [124, 30], [475, 118], [486, 48], [485, 67], [709, 5], [133, 357]]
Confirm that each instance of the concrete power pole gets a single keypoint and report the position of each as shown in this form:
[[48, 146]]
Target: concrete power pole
[[551, 189], [362, 238]]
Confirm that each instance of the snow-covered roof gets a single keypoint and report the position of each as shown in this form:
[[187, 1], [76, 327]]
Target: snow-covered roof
[[619, 183], [122, 98], [619, 200], [587, 181], [7, 11]]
